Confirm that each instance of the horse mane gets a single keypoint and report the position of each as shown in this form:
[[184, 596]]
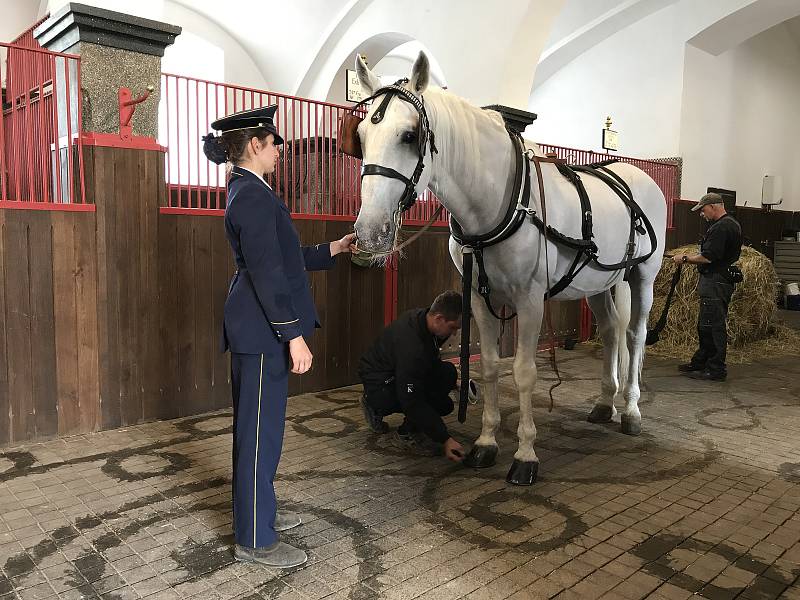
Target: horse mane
[[457, 125]]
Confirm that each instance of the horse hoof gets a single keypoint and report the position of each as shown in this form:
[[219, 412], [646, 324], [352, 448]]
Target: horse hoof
[[522, 473], [481, 457], [631, 426], [601, 413]]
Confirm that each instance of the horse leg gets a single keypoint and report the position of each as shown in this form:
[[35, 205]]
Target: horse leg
[[641, 301], [526, 464], [605, 312], [484, 450]]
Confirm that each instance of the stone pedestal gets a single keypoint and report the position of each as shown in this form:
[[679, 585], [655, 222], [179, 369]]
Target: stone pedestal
[[116, 50]]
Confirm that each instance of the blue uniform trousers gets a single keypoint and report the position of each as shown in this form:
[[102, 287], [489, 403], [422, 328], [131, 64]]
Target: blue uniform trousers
[[260, 386]]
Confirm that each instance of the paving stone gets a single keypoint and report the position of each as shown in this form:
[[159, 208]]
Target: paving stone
[[696, 505]]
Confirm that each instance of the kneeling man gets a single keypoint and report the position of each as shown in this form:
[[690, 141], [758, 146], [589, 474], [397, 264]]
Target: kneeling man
[[402, 372]]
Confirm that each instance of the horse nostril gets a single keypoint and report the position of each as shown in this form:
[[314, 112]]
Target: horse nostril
[[385, 229]]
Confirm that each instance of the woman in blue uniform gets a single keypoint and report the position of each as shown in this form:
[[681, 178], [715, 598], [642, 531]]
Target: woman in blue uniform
[[269, 315]]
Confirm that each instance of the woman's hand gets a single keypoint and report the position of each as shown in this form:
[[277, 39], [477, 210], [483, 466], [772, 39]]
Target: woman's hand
[[346, 244], [301, 355]]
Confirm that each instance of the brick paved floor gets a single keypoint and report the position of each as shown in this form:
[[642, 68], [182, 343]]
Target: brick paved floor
[[706, 501]]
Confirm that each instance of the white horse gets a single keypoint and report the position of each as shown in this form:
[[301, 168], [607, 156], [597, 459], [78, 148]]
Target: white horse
[[473, 176]]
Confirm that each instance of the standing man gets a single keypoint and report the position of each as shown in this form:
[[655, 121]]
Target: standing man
[[269, 315], [719, 249], [403, 373]]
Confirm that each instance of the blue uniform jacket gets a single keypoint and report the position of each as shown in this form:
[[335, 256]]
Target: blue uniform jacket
[[269, 300]]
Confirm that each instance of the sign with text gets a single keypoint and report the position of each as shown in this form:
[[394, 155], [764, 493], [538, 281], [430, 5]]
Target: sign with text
[[353, 87], [610, 141]]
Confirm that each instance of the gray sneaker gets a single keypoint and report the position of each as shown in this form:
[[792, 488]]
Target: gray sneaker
[[287, 520], [280, 555], [416, 443]]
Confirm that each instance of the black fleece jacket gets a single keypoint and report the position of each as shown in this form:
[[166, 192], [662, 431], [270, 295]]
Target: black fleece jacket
[[403, 356]]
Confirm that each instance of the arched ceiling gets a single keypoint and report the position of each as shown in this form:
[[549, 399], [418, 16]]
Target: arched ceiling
[[749, 20], [717, 26], [490, 51]]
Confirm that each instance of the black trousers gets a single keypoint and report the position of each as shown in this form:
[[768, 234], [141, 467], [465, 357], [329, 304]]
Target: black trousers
[[715, 295], [438, 385]]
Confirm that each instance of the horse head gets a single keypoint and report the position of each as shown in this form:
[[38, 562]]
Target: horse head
[[396, 148]]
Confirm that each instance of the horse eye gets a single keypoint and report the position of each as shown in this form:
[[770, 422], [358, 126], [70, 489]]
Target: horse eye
[[409, 137]]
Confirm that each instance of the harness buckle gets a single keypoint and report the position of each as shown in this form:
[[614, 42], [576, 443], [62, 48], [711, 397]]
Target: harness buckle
[[531, 212]]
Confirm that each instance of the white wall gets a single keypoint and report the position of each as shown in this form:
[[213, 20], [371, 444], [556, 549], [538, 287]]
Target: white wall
[[635, 76], [206, 51], [397, 63], [741, 118], [473, 40], [17, 16]]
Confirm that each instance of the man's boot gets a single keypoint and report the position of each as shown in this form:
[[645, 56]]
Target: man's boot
[[374, 421], [415, 442]]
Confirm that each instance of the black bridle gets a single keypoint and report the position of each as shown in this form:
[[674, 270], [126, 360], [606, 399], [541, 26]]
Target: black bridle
[[424, 132]]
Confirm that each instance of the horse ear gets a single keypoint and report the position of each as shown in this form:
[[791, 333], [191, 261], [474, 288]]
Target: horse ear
[[369, 81], [420, 74]]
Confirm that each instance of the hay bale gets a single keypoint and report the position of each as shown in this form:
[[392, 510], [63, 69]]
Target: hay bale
[[752, 328]]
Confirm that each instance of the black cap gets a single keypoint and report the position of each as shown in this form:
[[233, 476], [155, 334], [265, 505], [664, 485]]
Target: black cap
[[255, 117]]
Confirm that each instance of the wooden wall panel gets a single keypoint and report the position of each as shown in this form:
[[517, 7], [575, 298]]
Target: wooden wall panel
[[100, 188], [18, 328], [760, 228], [196, 269], [127, 187], [126, 305], [222, 269], [168, 316], [5, 434], [84, 276], [48, 337], [66, 326]]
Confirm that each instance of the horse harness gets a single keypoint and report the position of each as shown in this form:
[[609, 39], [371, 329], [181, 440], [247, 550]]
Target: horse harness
[[519, 210]]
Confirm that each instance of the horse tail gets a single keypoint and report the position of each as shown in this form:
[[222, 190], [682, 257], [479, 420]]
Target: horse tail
[[622, 302]]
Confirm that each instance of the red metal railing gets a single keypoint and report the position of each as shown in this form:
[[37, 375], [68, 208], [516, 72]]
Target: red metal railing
[[666, 175], [313, 177], [26, 39], [41, 159]]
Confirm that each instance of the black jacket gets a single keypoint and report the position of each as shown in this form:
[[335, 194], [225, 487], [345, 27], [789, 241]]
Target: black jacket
[[722, 245], [403, 356]]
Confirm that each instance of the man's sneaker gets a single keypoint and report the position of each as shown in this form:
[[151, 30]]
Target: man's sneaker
[[416, 443], [280, 555], [690, 368], [374, 421], [287, 520], [708, 376]]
